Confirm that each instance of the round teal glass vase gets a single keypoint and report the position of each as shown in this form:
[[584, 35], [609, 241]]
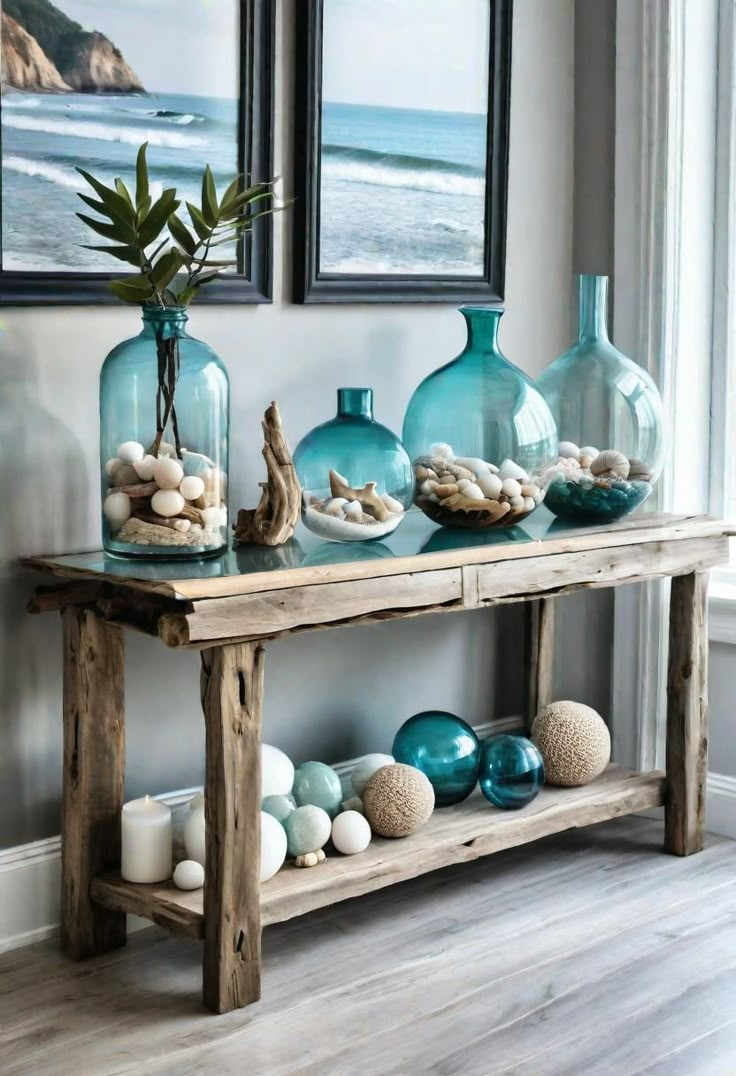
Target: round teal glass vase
[[164, 424], [609, 419], [511, 771], [480, 435], [445, 748], [355, 475]]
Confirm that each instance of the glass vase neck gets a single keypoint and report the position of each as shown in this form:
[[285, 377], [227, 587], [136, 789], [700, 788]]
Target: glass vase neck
[[593, 308], [482, 325], [355, 403], [169, 320]]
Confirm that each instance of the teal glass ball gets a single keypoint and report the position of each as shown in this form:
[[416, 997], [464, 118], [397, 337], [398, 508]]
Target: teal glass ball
[[445, 748], [307, 830], [279, 806], [511, 771], [319, 785]]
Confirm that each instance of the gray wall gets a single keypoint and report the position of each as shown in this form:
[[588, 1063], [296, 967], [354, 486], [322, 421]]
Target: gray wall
[[722, 746], [335, 694]]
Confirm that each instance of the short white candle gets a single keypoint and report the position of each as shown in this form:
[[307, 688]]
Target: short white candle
[[146, 841]]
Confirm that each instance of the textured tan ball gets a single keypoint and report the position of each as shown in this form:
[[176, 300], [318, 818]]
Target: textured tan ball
[[398, 800], [574, 742]]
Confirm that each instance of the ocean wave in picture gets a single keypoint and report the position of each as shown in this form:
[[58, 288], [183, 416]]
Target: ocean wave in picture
[[104, 133], [358, 165], [182, 119], [63, 177]]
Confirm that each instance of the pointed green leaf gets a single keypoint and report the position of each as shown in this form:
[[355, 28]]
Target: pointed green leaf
[[119, 208], [200, 224], [131, 255], [209, 197], [182, 235], [123, 191], [130, 291], [120, 232], [166, 269], [156, 219], [99, 207], [185, 297], [141, 180]]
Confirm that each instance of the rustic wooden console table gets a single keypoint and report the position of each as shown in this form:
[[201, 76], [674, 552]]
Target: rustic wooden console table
[[227, 608]]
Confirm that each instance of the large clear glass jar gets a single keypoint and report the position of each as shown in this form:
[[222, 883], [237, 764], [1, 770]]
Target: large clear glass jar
[[609, 419], [480, 435], [164, 417]]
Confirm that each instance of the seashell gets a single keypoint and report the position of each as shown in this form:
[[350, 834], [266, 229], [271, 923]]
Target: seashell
[[639, 471], [113, 466], [194, 463], [442, 450], [443, 491], [511, 488], [589, 450], [509, 469], [491, 485], [352, 506], [477, 466], [130, 451], [391, 503], [529, 503], [529, 490], [125, 476], [169, 502], [460, 472], [211, 517], [516, 502], [166, 449], [610, 460], [428, 486], [310, 859], [117, 509], [423, 472], [568, 450], [585, 461], [354, 512], [168, 473], [144, 468], [335, 506], [191, 487], [448, 479], [472, 492], [182, 525]]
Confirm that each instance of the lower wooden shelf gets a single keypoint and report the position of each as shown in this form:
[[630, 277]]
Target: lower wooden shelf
[[453, 835]]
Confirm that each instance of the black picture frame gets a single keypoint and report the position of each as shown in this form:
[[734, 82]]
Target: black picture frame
[[253, 281], [310, 285]]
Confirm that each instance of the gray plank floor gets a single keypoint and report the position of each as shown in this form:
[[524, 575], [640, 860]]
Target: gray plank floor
[[589, 953]]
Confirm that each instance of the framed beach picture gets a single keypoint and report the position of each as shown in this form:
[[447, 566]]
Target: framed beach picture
[[401, 150], [84, 83]]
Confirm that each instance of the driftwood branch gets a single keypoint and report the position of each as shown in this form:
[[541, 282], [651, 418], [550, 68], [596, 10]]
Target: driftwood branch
[[276, 516]]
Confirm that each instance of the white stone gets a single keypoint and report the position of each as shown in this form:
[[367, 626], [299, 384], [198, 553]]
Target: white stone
[[428, 486], [130, 451], [167, 502], [125, 475], [113, 466], [167, 473], [117, 509], [473, 492], [144, 468], [391, 503], [182, 525], [511, 488], [463, 484], [277, 772], [442, 451], [569, 450], [529, 503], [351, 833], [336, 506], [189, 874], [212, 518], [516, 502], [191, 487], [509, 469], [491, 485], [273, 846], [477, 466], [365, 768]]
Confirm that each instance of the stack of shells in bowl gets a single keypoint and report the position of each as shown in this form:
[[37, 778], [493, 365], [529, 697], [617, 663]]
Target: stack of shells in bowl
[[462, 491], [154, 501], [352, 515], [588, 484]]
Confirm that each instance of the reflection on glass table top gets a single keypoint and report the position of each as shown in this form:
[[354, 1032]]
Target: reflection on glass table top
[[417, 535]]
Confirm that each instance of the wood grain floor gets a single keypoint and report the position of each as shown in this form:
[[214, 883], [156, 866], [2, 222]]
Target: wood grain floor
[[587, 954]]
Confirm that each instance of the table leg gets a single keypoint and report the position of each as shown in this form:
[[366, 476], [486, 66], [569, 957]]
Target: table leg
[[687, 715], [94, 768], [540, 655], [232, 696]]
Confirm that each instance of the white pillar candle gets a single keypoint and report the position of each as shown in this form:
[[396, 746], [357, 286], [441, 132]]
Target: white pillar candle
[[146, 841]]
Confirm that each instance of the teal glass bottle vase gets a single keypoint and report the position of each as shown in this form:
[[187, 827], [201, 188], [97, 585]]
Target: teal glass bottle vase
[[609, 419], [164, 418], [355, 474], [480, 435]]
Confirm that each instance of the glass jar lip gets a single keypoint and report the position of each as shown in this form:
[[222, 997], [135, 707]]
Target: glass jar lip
[[154, 312], [482, 311]]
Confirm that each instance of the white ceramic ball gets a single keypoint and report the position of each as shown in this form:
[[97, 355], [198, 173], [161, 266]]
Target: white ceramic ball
[[189, 874], [117, 509], [167, 502], [273, 846], [191, 487], [131, 451], [144, 468], [277, 772], [194, 831], [365, 768], [167, 473], [568, 450], [351, 833], [511, 488], [113, 466]]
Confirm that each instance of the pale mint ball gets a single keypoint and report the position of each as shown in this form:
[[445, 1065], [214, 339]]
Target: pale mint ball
[[279, 806], [307, 829], [319, 785]]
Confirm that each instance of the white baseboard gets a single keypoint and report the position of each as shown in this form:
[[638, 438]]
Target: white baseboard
[[720, 816], [30, 874]]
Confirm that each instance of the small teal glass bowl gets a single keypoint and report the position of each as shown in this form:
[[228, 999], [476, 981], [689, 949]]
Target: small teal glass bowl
[[511, 771], [445, 748]]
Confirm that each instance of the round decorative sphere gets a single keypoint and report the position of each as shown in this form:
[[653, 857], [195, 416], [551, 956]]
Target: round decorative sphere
[[307, 829], [279, 806], [574, 742], [167, 473], [319, 785], [351, 833], [445, 748], [194, 830], [511, 771], [189, 874], [398, 800], [277, 772], [364, 769], [273, 846]]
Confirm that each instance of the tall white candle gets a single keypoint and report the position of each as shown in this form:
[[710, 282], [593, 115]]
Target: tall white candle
[[146, 854]]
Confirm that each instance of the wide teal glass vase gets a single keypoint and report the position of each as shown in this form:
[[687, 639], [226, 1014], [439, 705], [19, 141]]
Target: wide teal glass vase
[[609, 419], [445, 748], [164, 423], [355, 474], [511, 771], [480, 435]]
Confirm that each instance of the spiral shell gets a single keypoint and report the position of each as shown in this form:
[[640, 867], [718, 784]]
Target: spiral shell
[[610, 460], [639, 471]]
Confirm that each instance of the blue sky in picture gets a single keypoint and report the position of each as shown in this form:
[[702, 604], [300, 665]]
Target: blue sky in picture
[[174, 46], [427, 54]]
